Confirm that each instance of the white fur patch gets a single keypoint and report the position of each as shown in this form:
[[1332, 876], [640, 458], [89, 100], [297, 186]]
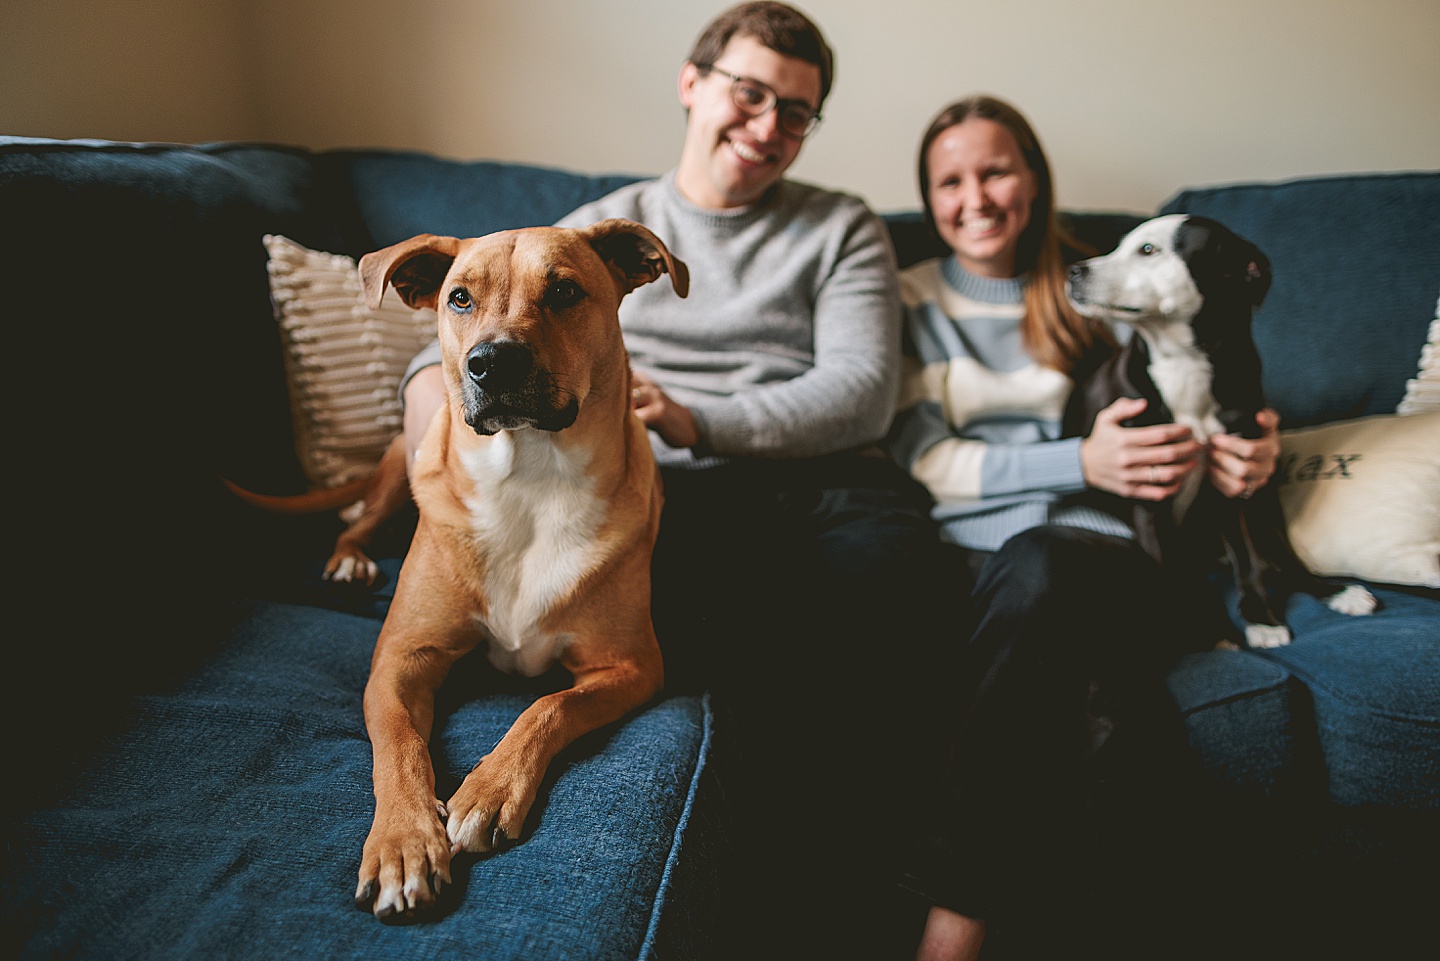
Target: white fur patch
[[1267, 635], [1353, 600], [469, 834], [537, 515]]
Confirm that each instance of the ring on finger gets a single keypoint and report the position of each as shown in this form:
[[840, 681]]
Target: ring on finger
[[1153, 478]]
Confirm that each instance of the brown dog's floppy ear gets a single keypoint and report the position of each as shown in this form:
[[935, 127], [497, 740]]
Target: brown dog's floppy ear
[[414, 267], [635, 255]]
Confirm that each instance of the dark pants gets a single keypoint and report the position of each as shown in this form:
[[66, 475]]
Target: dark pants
[[799, 593], [1065, 737]]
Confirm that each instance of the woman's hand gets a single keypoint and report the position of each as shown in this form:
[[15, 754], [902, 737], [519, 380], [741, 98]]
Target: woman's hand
[[1239, 467], [673, 422], [1146, 463]]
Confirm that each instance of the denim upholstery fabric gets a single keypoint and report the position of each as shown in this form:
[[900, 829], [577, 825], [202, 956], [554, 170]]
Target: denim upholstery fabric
[[225, 818], [180, 228], [1375, 686], [400, 194], [1351, 707], [1240, 719]]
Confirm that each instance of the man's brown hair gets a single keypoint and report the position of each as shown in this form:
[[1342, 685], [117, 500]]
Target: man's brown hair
[[780, 27]]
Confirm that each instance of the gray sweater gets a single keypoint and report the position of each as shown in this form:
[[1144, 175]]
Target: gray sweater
[[789, 343]]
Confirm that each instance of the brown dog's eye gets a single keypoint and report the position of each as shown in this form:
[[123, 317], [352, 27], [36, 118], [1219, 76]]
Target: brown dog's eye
[[562, 294], [460, 299]]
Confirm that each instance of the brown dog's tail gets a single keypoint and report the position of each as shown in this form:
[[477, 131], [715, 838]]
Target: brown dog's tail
[[311, 502]]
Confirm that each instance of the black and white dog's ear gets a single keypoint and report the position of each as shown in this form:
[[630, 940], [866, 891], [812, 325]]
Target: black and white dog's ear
[[1257, 271], [1218, 255]]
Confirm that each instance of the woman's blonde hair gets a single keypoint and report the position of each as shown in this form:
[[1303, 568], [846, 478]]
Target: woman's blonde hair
[[1053, 332]]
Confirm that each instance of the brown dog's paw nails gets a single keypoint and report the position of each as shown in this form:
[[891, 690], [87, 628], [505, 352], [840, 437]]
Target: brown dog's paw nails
[[365, 895], [500, 841], [418, 893], [387, 908]]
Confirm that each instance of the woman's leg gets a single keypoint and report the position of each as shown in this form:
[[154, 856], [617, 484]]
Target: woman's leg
[[1064, 661], [950, 936]]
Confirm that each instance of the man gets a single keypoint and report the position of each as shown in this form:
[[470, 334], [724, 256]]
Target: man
[[790, 570]]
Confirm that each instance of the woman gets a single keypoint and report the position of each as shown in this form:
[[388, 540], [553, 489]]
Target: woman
[[1071, 626]]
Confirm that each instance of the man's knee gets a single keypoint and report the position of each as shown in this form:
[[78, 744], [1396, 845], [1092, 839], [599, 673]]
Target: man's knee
[[873, 536]]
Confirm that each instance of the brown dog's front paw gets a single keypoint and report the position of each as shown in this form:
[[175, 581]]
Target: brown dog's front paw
[[488, 812], [405, 865], [350, 565]]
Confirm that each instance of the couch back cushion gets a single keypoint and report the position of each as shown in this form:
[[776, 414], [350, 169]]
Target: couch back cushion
[[397, 195], [170, 239], [1356, 263]]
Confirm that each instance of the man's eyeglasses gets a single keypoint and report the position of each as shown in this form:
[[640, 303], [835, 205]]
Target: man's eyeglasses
[[755, 99]]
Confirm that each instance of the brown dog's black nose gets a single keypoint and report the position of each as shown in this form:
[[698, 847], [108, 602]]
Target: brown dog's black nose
[[496, 364]]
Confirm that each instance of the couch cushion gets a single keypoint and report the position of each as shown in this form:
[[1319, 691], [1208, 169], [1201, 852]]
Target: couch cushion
[[1348, 710], [1356, 261], [400, 194], [1239, 713], [183, 273], [1374, 683], [224, 818]]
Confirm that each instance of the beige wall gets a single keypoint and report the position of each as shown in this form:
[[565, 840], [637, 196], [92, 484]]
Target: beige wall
[[1133, 98]]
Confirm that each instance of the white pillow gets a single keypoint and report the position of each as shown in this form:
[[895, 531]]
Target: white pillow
[[1362, 497], [1422, 392], [343, 360]]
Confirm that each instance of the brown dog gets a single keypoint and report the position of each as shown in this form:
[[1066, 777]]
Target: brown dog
[[539, 502]]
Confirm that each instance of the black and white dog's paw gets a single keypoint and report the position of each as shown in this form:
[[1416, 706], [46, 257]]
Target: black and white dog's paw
[[1353, 600], [1267, 635]]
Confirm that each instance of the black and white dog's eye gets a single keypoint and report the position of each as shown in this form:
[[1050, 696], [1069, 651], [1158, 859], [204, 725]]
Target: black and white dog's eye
[[460, 299], [1147, 249]]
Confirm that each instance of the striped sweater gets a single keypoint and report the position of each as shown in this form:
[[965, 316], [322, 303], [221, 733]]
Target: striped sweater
[[979, 421]]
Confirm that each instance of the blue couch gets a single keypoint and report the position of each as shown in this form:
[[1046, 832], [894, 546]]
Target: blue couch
[[191, 770]]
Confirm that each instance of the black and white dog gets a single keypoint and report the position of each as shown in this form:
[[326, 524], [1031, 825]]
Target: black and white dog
[[1186, 287]]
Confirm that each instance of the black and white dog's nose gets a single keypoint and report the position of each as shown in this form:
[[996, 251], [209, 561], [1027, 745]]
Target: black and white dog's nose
[[1078, 270], [495, 365]]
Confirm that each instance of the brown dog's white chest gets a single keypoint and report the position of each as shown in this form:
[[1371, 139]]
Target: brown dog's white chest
[[535, 518]]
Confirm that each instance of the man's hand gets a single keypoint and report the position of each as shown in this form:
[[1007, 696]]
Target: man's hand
[[673, 422]]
